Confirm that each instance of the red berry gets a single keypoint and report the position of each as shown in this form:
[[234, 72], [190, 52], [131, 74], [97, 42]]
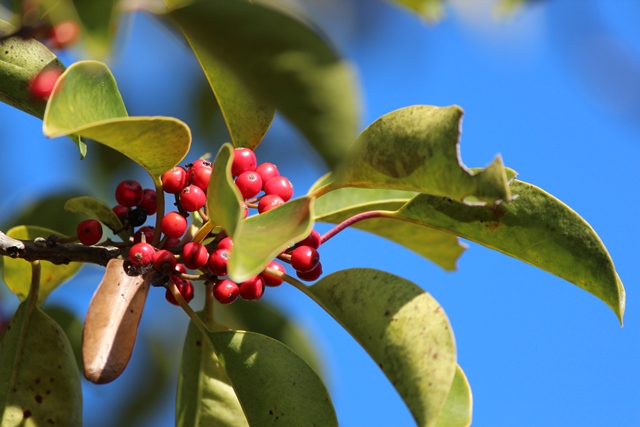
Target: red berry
[[175, 180], [226, 291], [269, 202], [249, 183], [129, 193], [147, 231], [141, 254], [218, 262], [164, 261], [42, 84], [312, 275], [194, 255], [180, 268], [252, 289], [279, 186], [185, 287], [200, 177], [89, 232], [267, 171], [225, 243], [173, 225], [273, 281], [304, 258], [192, 198], [244, 160], [149, 201], [64, 33], [171, 243], [122, 212], [314, 240], [200, 163]]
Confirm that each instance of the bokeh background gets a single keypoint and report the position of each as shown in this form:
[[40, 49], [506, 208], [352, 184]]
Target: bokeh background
[[554, 88]]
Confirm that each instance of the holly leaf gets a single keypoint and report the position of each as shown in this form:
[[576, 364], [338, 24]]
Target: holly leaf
[[404, 330], [86, 102], [16, 272], [416, 149], [224, 201], [39, 378], [535, 228], [96, 209], [282, 62], [274, 385], [457, 409], [262, 237]]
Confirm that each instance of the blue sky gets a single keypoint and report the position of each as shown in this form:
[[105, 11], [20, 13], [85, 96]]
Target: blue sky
[[555, 90]]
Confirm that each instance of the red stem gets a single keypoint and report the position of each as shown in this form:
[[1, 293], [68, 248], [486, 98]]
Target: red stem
[[350, 221]]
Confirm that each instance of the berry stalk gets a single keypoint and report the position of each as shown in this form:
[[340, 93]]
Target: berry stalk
[[350, 221]]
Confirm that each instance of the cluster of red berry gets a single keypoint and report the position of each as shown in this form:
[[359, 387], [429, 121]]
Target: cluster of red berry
[[170, 258]]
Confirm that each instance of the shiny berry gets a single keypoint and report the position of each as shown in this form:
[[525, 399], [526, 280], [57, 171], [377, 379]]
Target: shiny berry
[[267, 171], [200, 177], [273, 281], [164, 261], [226, 291], [244, 160], [304, 258], [218, 261], [173, 225], [137, 216], [279, 186], [149, 201], [89, 232], [42, 84], [269, 202], [175, 180], [192, 198], [312, 275], [194, 255], [122, 212], [252, 289], [146, 231], [314, 240], [225, 243], [199, 164], [129, 193], [249, 183], [141, 254], [185, 287]]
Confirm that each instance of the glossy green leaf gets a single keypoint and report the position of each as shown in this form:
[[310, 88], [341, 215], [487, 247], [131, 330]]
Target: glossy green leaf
[[262, 237], [86, 102], [39, 378], [71, 325], [536, 228], [284, 63], [416, 149], [457, 410], [404, 330], [444, 249], [431, 10], [205, 396], [96, 209], [224, 201], [247, 117], [17, 272], [274, 385]]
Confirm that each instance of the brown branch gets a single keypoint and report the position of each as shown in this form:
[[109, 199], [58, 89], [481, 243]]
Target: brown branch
[[41, 249]]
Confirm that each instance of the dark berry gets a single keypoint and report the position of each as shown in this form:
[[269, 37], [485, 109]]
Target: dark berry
[[269, 202], [273, 281], [192, 198], [244, 160], [175, 180], [218, 261], [279, 186], [312, 275], [249, 183], [164, 261], [146, 231], [141, 254], [89, 232], [122, 212], [252, 289], [304, 258], [42, 84], [267, 171], [149, 201], [129, 193], [314, 240], [226, 291], [137, 216], [173, 225], [194, 255]]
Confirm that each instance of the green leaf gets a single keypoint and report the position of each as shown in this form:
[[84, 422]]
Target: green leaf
[[96, 209], [404, 330], [72, 327], [431, 10], [416, 149], [535, 228], [99, 21], [273, 384], [284, 63], [86, 102], [457, 409], [262, 237], [17, 272], [247, 117], [39, 378], [205, 396], [336, 206], [224, 201]]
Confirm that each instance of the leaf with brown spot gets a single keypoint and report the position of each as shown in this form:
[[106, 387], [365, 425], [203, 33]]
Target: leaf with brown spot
[[111, 325]]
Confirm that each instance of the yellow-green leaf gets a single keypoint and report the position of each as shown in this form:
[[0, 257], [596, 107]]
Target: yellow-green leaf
[[457, 409], [98, 210], [430, 10], [17, 272], [404, 330], [224, 201]]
